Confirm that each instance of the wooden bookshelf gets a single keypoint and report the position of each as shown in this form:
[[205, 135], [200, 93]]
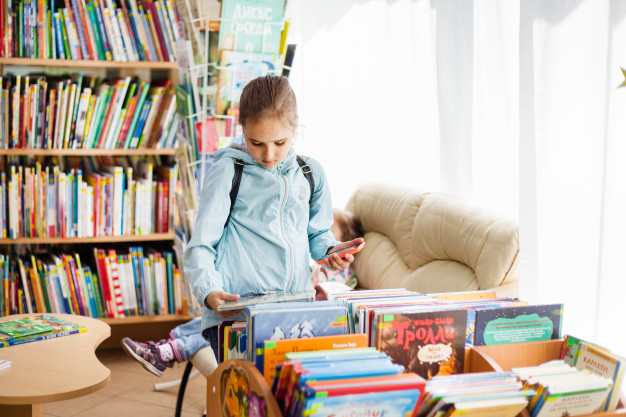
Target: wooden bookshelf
[[84, 63], [103, 239], [86, 152]]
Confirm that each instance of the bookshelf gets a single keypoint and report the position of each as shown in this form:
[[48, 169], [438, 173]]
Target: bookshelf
[[147, 327]]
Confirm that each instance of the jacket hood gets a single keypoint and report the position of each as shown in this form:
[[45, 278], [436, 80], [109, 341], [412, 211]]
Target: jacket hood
[[240, 151]]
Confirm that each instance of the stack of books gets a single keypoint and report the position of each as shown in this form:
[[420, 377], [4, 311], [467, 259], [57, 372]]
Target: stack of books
[[487, 394], [39, 327], [345, 382]]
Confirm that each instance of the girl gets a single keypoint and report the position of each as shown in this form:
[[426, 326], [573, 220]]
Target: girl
[[262, 245]]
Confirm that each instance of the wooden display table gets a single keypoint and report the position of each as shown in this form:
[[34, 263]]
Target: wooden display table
[[52, 370]]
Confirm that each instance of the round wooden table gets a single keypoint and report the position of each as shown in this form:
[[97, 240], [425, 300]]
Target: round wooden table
[[52, 370]]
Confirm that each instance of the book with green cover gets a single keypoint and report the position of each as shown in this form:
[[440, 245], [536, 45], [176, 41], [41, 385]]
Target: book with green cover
[[251, 25], [37, 327]]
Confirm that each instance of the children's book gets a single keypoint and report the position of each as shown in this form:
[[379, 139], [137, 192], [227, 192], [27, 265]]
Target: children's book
[[498, 407], [279, 321], [606, 364], [571, 345], [29, 329], [518, 324], [274, 351], [243, 302], [251, 25], [395, 403], [236, 70], [428, 342]]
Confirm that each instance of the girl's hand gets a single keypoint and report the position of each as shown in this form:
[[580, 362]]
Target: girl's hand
[[336, 263], [217, 298]]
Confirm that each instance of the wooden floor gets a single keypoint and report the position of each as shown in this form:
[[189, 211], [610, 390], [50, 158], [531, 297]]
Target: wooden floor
[[130, 393]]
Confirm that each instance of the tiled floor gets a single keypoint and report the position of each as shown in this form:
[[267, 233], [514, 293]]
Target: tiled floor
[[130, 393]]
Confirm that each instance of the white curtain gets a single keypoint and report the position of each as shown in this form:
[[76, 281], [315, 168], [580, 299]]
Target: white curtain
[[511, 104]]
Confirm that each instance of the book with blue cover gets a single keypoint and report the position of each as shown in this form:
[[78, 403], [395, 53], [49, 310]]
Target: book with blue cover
[[277, 321]]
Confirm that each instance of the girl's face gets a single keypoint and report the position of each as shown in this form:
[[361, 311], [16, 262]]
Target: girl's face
[[269, 141]]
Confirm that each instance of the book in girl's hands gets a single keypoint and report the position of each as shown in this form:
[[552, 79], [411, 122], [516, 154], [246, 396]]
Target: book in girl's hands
[[517, 324], [243, 302], [39, 327]]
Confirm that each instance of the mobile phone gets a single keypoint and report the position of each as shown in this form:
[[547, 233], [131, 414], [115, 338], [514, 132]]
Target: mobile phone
[[343, 252]]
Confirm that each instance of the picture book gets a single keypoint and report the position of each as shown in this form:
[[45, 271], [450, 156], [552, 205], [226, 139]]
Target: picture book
[[518, 324], [236, 70], [606, 364], [18, 333], [427, 342], [571, 345], [395, 403], [499, 407], [251, 25], [294, 320], [274, 351], [243, 302]]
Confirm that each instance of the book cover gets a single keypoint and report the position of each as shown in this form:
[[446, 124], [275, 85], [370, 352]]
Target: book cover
[[236, 70], [274, 351], [251, 25], [394, 403], [426, 342], [30, 329], [599, 361], [518, 324]]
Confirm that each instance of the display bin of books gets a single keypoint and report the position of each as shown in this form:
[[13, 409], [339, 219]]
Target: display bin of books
[[506, 356], [232, 378]]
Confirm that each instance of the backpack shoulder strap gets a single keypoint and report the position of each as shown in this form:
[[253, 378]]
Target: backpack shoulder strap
[[308, 173], [234, 190]]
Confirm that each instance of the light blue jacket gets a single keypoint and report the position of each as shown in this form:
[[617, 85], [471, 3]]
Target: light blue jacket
[[265, 246]]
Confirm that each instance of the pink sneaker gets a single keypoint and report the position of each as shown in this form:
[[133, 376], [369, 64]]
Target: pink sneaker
[[148, 355]]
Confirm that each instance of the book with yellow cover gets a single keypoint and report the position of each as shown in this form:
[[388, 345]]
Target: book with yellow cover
[[274, 351]]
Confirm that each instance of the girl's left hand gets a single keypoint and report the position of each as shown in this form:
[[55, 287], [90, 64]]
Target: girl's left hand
[[337, 263]]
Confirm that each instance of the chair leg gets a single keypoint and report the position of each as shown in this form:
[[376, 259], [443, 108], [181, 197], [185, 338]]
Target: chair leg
[[181, 390], [160, 386]]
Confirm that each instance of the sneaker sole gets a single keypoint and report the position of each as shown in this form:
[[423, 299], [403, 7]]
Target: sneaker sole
[[148, 366]]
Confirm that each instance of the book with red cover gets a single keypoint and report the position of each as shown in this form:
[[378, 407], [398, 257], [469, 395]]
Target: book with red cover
[[428, 342]]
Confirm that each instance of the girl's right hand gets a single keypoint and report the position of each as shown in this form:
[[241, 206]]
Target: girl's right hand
[[217, 298]]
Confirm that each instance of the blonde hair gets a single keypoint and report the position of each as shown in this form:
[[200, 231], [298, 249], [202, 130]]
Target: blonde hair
[[269, 96], [348, 223]]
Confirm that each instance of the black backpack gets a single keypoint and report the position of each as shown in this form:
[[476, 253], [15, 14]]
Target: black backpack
[[234, 190]]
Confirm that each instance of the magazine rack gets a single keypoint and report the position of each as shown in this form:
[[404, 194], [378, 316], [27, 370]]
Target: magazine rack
[[235, 380]]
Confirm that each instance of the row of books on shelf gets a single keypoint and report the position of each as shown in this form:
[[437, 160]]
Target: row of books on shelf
[[119, 283], [34, 328], [136, 30], [83, 112], [43, 201]]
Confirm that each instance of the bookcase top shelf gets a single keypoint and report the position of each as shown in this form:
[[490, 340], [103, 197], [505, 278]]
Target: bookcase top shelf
[[101, 239], [87, 152], [84, 63]]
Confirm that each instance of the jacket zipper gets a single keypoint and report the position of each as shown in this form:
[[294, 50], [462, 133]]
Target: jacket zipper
[[282, 228]]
